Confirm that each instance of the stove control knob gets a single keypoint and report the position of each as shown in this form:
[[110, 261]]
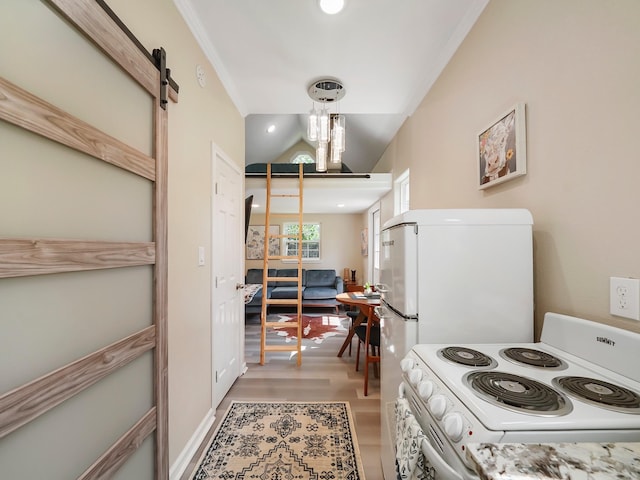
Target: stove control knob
[[406, 364], [425, 389], [438, 405], [454, 426], [415, 375]]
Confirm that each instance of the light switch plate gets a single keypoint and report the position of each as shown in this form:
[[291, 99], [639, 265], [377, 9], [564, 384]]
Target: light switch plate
[[624, 297]]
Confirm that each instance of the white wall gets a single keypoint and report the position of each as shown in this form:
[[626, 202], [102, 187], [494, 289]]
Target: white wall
[[576, 65]]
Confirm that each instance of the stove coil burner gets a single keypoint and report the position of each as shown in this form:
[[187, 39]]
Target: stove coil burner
[[534, 358], [517, 393], [600, 393], [467, 356]]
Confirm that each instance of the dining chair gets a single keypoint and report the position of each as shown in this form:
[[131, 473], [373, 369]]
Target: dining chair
[[369, 335], [353, 312]]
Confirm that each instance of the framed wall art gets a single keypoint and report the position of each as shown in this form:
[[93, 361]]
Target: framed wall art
[[364, 242], [502, 149], [255, 242]]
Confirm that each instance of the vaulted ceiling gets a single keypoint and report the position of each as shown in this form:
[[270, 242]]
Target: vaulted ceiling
[[386, 53]]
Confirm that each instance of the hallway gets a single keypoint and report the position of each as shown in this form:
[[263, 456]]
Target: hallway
[[322, 377]]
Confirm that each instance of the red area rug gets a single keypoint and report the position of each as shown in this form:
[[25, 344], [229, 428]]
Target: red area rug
[[314, 327]]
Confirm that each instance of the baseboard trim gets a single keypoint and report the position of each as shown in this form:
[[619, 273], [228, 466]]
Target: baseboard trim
[[191, 448]]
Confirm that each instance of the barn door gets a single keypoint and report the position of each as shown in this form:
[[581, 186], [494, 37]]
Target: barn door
[[83, 245]]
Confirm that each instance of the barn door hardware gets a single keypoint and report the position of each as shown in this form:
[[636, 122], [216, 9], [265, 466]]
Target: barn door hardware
[[154, 58], [160, 57]]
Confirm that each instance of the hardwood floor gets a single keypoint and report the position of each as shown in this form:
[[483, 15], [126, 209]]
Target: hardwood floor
[[323, 376]]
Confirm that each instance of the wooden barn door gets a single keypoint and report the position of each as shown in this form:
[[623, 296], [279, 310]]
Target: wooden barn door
[[83, 245]]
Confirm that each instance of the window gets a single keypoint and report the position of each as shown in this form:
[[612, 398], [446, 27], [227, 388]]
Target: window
[[302, 157], [376, 246], [310, 240], [401, 193], [373, 219]]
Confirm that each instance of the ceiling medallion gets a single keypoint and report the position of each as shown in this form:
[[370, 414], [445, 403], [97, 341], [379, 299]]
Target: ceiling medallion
[[326, 90]]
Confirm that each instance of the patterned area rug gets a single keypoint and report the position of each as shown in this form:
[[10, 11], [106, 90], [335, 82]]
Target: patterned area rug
[[314, 327], [283, 441]]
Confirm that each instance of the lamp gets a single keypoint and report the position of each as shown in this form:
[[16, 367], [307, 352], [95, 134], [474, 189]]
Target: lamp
[[328, 129]]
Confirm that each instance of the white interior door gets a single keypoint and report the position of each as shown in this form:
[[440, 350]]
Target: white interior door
[[227, 325]]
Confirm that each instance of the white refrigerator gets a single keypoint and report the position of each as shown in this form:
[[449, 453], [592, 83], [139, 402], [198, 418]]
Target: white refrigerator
[[450, 276]]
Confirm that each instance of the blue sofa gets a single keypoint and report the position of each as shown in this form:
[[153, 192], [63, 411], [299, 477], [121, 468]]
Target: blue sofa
[[319, 288]]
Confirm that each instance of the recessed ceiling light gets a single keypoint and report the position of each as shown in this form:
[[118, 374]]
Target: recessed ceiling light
[[271, 128], [340, 205], [331, 7]]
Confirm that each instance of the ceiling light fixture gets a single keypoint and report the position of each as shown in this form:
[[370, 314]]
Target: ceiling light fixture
[[271, 128], [331, 7], [328, 129]]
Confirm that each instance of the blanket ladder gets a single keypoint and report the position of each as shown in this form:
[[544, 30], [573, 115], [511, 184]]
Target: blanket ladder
[[297, 302]]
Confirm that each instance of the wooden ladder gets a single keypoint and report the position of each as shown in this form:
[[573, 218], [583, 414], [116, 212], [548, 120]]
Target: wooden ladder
[[297, 302]]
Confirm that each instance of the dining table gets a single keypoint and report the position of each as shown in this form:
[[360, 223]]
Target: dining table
[[365, 303]]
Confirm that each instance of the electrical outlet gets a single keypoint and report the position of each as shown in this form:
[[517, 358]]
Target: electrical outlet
[[624, 297]]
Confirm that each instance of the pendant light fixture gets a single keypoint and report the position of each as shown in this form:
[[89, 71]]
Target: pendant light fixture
[[328, 129]]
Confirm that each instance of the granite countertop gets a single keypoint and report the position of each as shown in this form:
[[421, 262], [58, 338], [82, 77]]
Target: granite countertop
[[552, 461]]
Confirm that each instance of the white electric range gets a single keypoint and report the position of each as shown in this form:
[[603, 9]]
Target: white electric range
[[580, 383]]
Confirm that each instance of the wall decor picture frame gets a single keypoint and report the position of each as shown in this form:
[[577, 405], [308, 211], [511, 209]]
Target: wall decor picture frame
[[502, 149], [364, 242], [255, 242]]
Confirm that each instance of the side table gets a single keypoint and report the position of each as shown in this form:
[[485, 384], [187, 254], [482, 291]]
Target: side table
[[353, 287]]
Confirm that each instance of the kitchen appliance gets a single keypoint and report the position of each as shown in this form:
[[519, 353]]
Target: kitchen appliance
[[580, 383], [455, 275]]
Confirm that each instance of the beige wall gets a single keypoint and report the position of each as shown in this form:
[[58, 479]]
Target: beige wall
[[340, 243], [576, 65]]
